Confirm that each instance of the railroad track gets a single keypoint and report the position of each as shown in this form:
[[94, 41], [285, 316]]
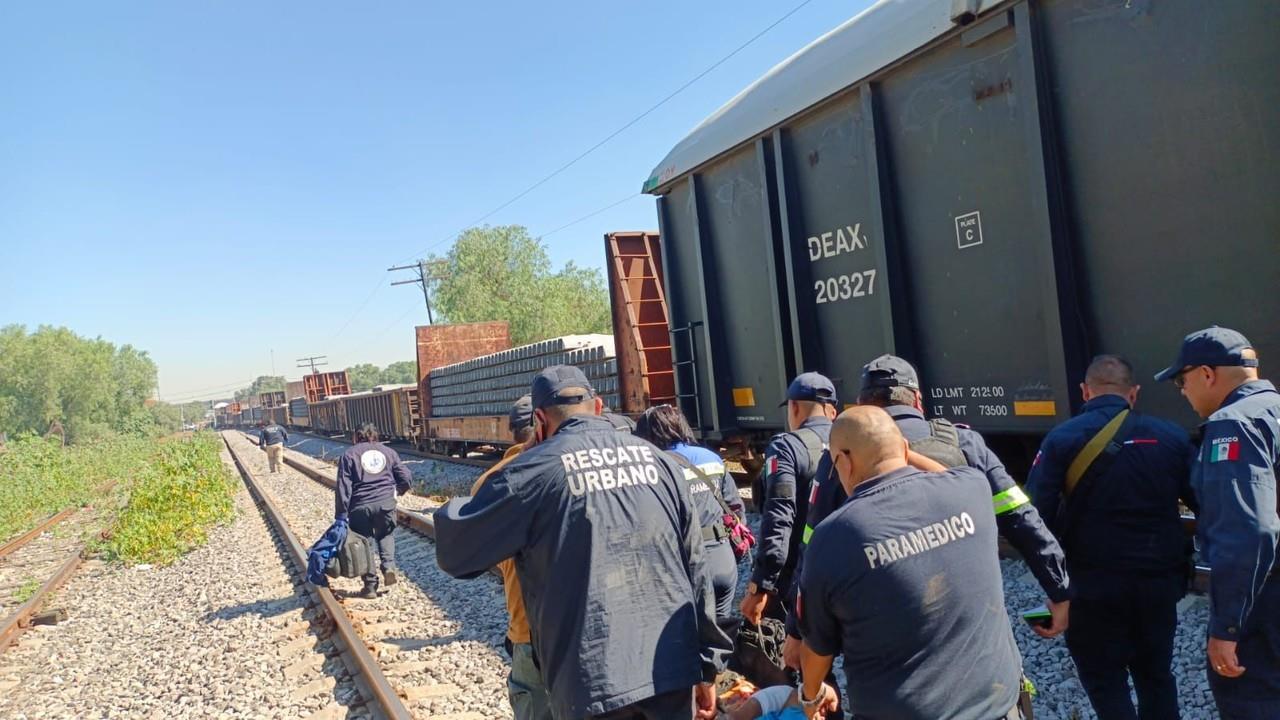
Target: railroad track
[[396, 648], [32, 567]]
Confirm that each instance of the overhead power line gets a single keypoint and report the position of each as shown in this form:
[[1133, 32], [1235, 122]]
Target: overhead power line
[[613, 134]]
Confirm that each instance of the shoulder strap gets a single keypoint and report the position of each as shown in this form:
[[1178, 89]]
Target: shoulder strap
[[706, 479], [814, 444], [1107, 439]]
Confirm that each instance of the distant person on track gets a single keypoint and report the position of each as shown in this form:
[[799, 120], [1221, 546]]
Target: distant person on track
[[1234, 479], [714, 494], [1109, 481], [525, 689], [370, 476], [271, 438], [608, 550], [917, 604]]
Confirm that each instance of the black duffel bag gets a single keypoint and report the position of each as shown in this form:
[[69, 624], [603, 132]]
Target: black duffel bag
[[358, 557]]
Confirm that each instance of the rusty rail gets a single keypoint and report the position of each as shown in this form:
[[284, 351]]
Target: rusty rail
[[20, 619], [35, 532], [372, 683]]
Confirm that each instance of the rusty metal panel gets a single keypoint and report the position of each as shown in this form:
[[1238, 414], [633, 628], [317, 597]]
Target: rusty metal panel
[[440, 345], [473, 429], [641, 324], [294, 389], [271, 399], [319, 386]]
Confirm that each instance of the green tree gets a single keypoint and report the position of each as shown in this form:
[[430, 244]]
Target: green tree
[[90, 387], [263, 383], [363, 376], [404, 372], [503, 273]]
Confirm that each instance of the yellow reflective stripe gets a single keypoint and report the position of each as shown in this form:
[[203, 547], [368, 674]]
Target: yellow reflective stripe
[[1008, 500], [712, 468], [808, 533]]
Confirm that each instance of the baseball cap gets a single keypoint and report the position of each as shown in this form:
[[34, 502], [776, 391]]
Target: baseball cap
[[551, 382], [813, 387], [521, 415], [889, 371], [1214, 346]]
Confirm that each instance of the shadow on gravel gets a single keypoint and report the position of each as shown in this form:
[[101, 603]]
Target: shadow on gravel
[[261, 608]]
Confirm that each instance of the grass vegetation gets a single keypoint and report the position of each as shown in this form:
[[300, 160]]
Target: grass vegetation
[[26, 590], [159, 497]]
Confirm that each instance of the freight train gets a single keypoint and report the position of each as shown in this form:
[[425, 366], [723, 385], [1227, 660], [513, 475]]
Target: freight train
[[996, 190]]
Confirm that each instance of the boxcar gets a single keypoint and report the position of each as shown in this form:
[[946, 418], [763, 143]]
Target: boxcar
[[328, 415], [394, 409], [996, 190]]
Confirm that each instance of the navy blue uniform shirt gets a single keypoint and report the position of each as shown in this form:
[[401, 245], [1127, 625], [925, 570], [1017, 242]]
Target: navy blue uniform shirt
[[1016, 518], [608, 549], [916, 601], [368, 472], [786, 473], [1235, 481], [273, 435], [1128, 518]]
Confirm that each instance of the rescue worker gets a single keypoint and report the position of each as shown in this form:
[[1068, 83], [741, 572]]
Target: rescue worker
[[916, 601], [891, 383], [271, 438], [608, 551], [714, 495], [525, 689], [790, 463], [1109, 480], [1234, 478], [370, 476]]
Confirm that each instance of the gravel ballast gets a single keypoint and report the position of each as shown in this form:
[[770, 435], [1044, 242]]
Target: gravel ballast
[[203, 638], [433, 635]]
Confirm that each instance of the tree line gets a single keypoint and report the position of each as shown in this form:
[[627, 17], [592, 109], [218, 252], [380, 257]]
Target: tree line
[[55, 379]]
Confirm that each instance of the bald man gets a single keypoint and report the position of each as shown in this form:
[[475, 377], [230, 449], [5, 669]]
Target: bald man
[[917, 603]]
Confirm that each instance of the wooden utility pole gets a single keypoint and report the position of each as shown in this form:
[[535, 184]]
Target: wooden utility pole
[[422, 268], [311, 362]]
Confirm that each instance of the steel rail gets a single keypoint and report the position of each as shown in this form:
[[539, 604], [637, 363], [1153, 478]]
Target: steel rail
[[476, 462], [20, 619], [364, 668], [34, 532]]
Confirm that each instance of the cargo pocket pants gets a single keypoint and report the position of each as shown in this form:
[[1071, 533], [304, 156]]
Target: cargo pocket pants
[[275, 455], [525, 690], [377, 520]]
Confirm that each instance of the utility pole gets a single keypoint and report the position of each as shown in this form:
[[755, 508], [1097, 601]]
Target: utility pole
[[311, 361], [422, 268]]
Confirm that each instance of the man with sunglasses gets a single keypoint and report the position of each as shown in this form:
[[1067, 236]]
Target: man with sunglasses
[[1234, 478]]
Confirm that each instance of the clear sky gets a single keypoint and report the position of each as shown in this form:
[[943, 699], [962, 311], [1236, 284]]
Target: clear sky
[[218, 183]]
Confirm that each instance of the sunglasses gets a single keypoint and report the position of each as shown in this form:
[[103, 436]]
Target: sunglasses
[[1179, 380]]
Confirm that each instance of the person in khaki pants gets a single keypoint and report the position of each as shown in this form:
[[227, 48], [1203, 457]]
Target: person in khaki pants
[[272, 438], [525, 689]]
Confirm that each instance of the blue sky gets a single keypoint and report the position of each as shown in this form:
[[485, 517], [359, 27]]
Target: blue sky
[[220, 182]]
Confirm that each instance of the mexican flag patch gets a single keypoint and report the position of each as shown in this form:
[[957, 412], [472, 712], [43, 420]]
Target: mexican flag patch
[[1224, 451]]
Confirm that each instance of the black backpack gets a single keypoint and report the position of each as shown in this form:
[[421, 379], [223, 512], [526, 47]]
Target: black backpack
[[943, 444], [357, 557]]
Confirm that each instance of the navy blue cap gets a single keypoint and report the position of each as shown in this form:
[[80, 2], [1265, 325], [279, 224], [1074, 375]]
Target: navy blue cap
[[1214, 346], [889, 371], [549, 386], [521, 415], [813, 387]]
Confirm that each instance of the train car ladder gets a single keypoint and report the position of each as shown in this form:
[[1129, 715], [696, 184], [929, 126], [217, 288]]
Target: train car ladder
[[642, 303]]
